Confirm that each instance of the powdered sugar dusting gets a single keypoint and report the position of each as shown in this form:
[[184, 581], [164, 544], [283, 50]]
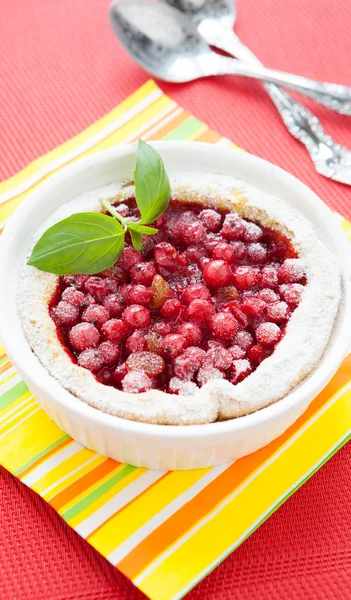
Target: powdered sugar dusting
[[306, 335]]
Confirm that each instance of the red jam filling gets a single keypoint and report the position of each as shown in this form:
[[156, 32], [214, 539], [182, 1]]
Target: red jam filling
[[208, 297]]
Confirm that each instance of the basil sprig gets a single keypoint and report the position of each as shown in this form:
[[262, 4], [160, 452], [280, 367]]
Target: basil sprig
[[87, 243]]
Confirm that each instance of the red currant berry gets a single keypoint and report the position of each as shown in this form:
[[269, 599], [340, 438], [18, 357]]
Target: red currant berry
[[252, 232], [97, 287], [136, 316], [109, 353], [257, 254], [90, 359], [210, 241], [208, 373], [268, 296], [245, 277], [136, 382], [119, 373], [291, 271], [113, 305], [84, 336], [278, 312], [143, 273], [219, 357], [253, 307], [170, 309], [256, 354], [211, 220], [192, 333], [200, 310], [233, 227], [129, 257], [76, 281], [269, 277], [65, 314], [292, 293], [194, 253], [203, 262], [224, 326], [244, 339], [239, 249], [73, 296], [161, 328], [139, 294], [114, 330], [194, 292], [268, 334], [237, 353], [173, 345], [105, 376], [217, 273], [193, 233], [225, 252], [234, 308], [165, 256], [135, 343], [95, 314]]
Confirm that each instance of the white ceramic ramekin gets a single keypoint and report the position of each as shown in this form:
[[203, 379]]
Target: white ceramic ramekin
[[158, 446]]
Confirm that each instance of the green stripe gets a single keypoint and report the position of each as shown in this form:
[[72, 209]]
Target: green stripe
[[96, 494], [189, 128], [12, 394], [4, 360], [264, 518], [40, 454]]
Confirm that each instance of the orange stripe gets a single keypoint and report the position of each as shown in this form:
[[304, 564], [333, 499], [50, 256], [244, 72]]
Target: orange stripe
[[167, 128], [208, 136], [2, 356], [128, 504], [7, 365], [83, 483], [47, 455], [179, 523]]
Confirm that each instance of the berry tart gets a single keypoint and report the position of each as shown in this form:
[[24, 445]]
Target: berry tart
[[223, 311]]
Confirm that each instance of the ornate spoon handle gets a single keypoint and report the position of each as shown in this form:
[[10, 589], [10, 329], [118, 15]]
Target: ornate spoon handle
[[327, 155], [333, 96]]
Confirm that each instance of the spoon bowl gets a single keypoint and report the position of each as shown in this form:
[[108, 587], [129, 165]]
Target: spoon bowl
[[162, 40], [168, 44], [222, 12]]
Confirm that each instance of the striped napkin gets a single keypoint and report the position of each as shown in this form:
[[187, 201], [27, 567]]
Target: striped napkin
[[164, 530]]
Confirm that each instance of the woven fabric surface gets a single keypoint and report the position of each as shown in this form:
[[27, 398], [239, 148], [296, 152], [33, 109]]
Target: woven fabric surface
[[62, 69]]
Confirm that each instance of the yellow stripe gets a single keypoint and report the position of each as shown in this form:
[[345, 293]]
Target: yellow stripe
[[13, 374], [61, 470], [119, 528], [27, 440], [84, 514], [14, 405], [82, 137], [346, 225], [93, 487], [114, 139], [74, 477], [14, 419], [218, 534]]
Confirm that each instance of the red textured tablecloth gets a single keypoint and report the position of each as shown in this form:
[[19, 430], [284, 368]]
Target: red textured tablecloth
[[61, 69]]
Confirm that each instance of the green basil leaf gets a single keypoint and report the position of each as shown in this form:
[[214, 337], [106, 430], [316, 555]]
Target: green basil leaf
[[137, 240], [141, 228], [84, 243], [152, 187]]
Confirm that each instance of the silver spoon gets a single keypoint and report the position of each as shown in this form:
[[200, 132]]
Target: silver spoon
[[215, 20], [168, 45]]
